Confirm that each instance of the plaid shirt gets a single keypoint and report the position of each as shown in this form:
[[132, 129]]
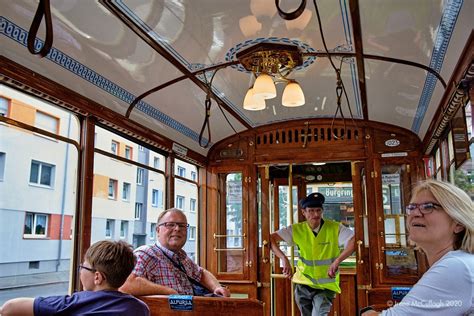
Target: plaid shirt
[[153, 265]]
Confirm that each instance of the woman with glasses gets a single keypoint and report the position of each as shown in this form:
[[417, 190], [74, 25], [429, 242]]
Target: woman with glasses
[[441, 223]]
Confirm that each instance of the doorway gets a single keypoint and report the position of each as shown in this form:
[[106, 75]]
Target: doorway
[[280, 209]]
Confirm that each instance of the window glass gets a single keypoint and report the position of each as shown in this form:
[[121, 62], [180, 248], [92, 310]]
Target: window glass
[[180, 202], [464, 175], [138, 210], [230, 244], [3, 106], [114, 147], [37, 198], [128, 152], [186, 194], [142, 191], [41, 173], [46, 122], [399, 254], [152, 231], [126, 191], [140, 173]]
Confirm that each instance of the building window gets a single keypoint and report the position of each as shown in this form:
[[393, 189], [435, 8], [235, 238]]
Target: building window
[[128, 152], [126, 191], [193, 175], [141, 148], [41, 173], [2, 165], [123, 229], [35, 225], [112, 189], [181, 172], [109, 228], [46, 122], [192, 233], [156, 163], [138, 210], [155, 197], [153, 231], [180, 202], [192, 205], [114, 147], [3, 106], [140, 173]]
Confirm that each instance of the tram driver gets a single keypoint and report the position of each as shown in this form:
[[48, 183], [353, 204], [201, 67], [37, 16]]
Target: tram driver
[[317, 277], [165, 268]]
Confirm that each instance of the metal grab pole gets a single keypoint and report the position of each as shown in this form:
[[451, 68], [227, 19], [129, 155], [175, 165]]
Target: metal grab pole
[[292, 253]]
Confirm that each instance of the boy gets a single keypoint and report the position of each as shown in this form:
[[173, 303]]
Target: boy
[[106, 266]]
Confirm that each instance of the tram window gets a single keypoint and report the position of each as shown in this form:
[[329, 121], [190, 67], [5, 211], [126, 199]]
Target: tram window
[[230, 245], [38, 189], [186, 197], [464, 175], [399, 255], [130, 217]]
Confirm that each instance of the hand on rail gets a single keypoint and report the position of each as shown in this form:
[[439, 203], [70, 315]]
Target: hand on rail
[[287, 270], [222, 290]]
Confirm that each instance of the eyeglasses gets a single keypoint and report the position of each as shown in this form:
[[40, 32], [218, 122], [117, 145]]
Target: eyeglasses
[[86, 268], [424, 208], [172, 225], [314, 209]]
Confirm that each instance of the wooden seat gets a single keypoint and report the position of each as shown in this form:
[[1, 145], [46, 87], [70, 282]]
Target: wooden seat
[[217, 306]]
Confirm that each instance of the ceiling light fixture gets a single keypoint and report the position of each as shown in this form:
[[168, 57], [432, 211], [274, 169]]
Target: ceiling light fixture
[[271, 63]]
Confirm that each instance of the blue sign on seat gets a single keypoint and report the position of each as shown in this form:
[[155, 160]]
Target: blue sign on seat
[[398, 293], [181, 302]]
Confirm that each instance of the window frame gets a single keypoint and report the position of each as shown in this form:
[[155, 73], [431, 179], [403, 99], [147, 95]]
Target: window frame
[[138, 210], [140, 175], [180, 198], [126, 193], [114, 189], [40, 174], [33, 234]]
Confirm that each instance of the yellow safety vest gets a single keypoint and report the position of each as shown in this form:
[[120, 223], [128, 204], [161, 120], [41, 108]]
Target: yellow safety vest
[[316, 255]]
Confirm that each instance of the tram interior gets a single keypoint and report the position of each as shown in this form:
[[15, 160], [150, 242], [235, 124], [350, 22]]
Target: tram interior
[[112, 111]]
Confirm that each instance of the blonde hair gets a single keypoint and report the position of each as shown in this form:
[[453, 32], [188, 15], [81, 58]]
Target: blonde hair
[[458, 205]]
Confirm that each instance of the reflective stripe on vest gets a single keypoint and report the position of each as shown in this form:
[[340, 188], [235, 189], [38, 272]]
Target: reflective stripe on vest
[[317, 262]]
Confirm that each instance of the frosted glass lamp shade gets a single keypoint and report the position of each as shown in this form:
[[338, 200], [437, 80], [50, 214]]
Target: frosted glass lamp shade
[[264, 87], [252, 102], [292, 95]]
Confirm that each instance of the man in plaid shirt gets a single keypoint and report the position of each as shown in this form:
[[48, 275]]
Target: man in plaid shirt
[[164, 268]]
